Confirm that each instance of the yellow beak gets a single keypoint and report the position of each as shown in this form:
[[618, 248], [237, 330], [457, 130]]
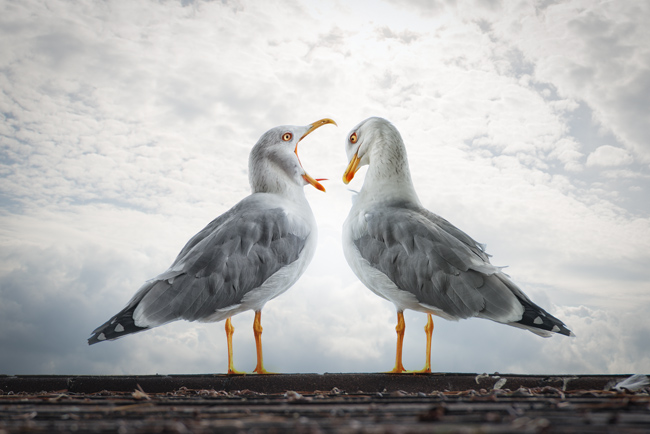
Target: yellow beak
[[352, 169], [317, 124], [312, 127], [314, 182]]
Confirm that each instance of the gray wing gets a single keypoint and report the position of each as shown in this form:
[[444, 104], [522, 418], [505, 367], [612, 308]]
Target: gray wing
[[439, 264], [232, 256]]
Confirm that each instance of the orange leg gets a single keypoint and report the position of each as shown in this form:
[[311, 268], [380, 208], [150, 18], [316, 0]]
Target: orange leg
[[428, 329], [257, 330], [401, 326], [230, 330]]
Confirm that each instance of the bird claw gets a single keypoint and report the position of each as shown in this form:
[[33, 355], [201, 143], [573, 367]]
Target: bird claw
[[425, 370], [401, 370], [397, 370], [262, 371]]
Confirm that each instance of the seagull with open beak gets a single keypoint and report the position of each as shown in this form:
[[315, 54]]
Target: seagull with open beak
[[245, 257]]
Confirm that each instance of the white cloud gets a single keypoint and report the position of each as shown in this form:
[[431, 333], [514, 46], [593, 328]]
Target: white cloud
[[591, 52], [609, 156]]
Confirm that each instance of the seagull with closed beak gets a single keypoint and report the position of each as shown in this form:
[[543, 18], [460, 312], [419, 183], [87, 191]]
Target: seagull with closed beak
[[417, 259], [245, 257]]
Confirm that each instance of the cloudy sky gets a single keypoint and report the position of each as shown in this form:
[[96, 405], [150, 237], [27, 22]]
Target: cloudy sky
[[125, 127]]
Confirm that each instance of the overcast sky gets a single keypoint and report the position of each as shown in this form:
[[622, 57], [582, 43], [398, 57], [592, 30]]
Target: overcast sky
[[125, 127]]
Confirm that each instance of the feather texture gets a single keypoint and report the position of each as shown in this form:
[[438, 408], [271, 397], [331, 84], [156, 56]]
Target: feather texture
[[417, 259], [232, 256], [252, 253]]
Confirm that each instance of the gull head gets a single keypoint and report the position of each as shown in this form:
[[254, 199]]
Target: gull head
[[274, 165], [371, 139]]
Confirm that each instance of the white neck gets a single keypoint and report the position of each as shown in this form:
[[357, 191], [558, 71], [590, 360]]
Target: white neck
[[277, 175], [388, 177]]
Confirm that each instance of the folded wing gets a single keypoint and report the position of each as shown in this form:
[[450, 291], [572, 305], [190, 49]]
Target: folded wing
[[232, 256], [445, 269]]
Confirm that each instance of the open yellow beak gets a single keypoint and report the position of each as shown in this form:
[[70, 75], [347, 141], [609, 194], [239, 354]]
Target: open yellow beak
[[314, 182], [312, 127], [352, 169]]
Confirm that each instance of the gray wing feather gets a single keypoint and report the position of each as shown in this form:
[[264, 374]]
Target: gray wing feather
[[230, 257], [477, 248], [442, 266]]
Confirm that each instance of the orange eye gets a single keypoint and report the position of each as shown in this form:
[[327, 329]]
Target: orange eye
[[287, 136], [353, 138]]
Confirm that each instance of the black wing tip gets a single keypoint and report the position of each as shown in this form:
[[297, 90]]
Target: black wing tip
[[108, 332], [535, 317], [120, 325], [561, 329], [550, 326], [97, 337]]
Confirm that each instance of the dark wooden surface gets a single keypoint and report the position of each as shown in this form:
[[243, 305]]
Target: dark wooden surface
[[311, 403], [280, 383]]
